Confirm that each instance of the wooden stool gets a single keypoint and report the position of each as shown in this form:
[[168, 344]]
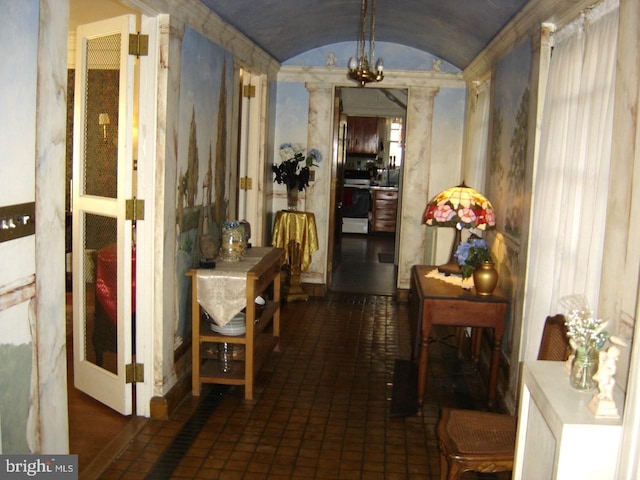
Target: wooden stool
[[469, 442]]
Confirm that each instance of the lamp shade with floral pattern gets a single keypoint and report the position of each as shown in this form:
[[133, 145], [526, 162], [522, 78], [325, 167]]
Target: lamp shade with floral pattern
[[460, 207]]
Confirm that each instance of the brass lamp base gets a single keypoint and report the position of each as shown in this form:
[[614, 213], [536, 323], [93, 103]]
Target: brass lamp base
[[452, 267]]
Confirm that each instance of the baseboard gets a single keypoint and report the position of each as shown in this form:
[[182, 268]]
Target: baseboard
[[315, 289], [402, 295], [161, 408]]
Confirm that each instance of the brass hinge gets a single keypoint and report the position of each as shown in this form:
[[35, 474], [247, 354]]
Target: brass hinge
[[246, 183], [138, 45], [249, 91], [134, 373], [134, 209]]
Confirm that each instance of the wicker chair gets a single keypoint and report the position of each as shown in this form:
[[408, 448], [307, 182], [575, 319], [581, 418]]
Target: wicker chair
[[477, 441]]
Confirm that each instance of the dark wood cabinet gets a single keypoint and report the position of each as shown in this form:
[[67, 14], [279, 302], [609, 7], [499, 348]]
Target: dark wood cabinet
[[384, 211], [362, 135]]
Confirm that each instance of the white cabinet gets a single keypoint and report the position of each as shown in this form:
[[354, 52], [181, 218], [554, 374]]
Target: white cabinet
[[558, 437]]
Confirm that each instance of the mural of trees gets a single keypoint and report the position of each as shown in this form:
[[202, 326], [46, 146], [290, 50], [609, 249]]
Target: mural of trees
[[201, 183], [519, 146], [517, 168], [495, 166], [221, 149], [192, 170]]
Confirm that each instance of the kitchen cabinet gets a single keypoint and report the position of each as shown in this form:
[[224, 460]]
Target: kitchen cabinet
[[384, 210], [362, 136], [558, 436], [262, 332]]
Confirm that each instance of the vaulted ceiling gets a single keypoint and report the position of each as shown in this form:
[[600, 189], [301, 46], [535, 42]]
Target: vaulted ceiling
[[454, 30]]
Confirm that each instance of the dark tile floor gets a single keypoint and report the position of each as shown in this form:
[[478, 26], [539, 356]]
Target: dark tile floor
[[357, 267], [322, 404], [321, 407]]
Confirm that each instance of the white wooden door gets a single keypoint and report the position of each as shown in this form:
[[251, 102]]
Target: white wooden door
[[103, 243], [251, 154]]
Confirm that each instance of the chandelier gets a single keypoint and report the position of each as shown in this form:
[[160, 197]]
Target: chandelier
[[360, 66]]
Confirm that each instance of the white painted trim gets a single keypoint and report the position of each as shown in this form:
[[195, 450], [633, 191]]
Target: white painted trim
[[145, 258], [203, 20]]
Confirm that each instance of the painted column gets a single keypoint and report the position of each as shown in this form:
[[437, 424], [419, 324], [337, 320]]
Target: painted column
[[48, 423], [415, 180], [319, 136]]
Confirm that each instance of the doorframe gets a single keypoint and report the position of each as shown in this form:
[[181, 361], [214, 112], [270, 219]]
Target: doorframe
[[337, 170], [146, 190]]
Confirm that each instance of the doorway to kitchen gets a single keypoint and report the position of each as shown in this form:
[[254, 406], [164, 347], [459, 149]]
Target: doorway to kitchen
[[370, 141]]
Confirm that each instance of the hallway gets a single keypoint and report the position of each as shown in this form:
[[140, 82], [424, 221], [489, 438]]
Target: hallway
[[359, 266], [321, 407], [97, 433]]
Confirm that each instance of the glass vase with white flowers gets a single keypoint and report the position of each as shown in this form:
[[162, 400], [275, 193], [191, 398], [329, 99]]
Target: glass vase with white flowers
[[587, 335]]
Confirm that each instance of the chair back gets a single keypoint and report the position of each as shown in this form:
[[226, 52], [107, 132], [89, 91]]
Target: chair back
[[555, 343]]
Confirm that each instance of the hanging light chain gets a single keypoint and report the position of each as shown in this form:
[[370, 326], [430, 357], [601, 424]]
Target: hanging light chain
[[372, 37], [360, 68], [361, 37]]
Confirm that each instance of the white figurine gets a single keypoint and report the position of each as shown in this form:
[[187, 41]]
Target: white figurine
[[602, 404]]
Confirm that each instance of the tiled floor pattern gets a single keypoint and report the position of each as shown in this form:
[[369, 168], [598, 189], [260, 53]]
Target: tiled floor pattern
[[357, 267], [321, 408]]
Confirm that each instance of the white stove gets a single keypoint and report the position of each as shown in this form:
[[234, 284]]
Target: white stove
[[356, 221]]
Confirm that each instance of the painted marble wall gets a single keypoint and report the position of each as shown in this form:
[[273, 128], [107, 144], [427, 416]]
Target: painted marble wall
[[292, 114], [19, 35], [204, 162]]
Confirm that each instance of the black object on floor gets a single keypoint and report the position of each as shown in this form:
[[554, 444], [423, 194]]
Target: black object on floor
[[385, 257], [404, 397], [170, 459]]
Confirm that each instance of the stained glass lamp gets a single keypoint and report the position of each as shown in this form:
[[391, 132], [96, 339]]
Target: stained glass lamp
[[459, 207]]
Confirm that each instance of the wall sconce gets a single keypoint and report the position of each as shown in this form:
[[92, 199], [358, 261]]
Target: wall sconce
[[104, 120]]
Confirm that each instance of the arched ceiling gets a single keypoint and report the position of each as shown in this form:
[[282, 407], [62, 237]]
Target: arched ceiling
[[454, 30]]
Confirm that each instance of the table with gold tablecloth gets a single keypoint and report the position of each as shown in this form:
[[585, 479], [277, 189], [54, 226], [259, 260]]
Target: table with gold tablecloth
[[295, 232], [222, 291]]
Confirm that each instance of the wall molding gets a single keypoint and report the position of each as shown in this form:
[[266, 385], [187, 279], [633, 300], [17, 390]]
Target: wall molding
[[17, 292], [392, 79]]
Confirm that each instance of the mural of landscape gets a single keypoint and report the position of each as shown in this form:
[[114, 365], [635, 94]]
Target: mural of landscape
[[203, 162], [507, 168], [507, 156]]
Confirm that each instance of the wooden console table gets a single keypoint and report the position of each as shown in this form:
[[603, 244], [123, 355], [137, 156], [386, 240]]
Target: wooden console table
[[233, 286], [436, 302], [296, 233]]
